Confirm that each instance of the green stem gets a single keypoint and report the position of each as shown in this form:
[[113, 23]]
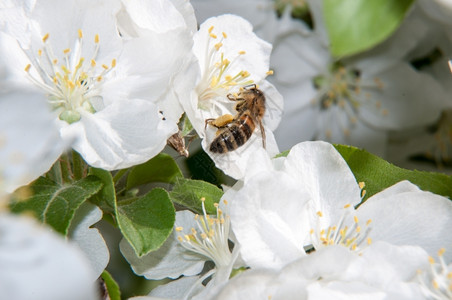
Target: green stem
[[78, 165], [119, 174]]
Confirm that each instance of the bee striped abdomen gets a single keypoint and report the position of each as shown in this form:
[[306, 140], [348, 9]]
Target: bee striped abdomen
[[233, 136]]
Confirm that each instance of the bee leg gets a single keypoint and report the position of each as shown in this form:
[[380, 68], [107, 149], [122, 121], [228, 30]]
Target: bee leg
[[209, 121], [261, 126]]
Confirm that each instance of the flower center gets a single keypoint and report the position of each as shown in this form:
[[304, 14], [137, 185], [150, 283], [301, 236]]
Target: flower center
[[71, 81], [217, 79], [437, 282], [210, 237], [348, 232], [340, 91]]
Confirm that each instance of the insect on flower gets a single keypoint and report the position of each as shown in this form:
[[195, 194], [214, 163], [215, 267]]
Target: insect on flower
[[235, 131]]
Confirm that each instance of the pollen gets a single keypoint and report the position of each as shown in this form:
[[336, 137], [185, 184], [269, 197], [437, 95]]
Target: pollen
[[45, 37], [27, 68], [270, 72], [212, 35], [218, 46], [66, 51], [80, 33], [224, 34], [242, 52], [96, 39], [210, 29]]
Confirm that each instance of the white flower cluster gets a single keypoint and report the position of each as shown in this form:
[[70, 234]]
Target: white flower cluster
[[111, 80]]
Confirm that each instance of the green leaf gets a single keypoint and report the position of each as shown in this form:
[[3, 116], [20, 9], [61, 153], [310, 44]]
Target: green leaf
[[146, 222], [161, 168], [357, 25], [188, 193], [379, 174], [55, 204], [106, 198], [111, 285]]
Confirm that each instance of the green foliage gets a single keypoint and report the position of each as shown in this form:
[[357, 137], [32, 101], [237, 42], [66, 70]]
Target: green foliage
[[378, 174], [106, 198], [55, 204], [112, 286], [357, 25], [147, 221], [188, 193], [161, 168]]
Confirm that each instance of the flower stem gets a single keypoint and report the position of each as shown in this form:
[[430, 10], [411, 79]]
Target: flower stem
[[78, 165]]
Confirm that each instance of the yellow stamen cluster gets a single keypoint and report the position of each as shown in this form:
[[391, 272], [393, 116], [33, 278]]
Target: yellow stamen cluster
[[436, 283], [346, 232], [216, 75], [210, 239], [72, 83]]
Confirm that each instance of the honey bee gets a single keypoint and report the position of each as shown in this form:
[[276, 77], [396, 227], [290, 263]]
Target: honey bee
[[234, 131]]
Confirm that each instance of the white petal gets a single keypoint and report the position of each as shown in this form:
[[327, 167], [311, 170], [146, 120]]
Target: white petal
[[39, 264], [176, 289], [415, 218], [89, 239], [171, 259], [124, 134], [322, 173], [159, 15], [269, 221], [30, 142]]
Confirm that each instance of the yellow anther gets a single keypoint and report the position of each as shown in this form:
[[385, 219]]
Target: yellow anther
[[212, 35], [80, 33], [218, 46], [347, 205], [80, 63], [179, 228], [354, 247], [322, 232], [363, 193], [66, 51], [214, 81], [113, 63], [216, 205], [96, 38], [193, 231], [245, 73], [320, 214], [203, 236], [431, 260], [224, 34], [228, 77], [441, 251], [27, 68], [358, 229], [270, 72], [449, 275], [311, 231], [369, 221], [369, 241], [180, 239], [241, 52], [225, 202], [99, 78], [203, 199], [210, 29], [40, 52], [187, 237], [355, 218], [93, 63], [361, 184], [45, 37], [55, 61], [65, 70], [55, 80], [435, 284], [70, 84], [105, 67]]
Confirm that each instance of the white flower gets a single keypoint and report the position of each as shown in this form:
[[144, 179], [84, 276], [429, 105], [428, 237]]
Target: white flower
[[383, 272], [106, 89], [309, 203], [194, 241], [38, 264], [354, 100], [231, 56]]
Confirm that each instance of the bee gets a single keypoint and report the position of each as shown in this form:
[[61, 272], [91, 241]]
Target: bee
[[234, 131]]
